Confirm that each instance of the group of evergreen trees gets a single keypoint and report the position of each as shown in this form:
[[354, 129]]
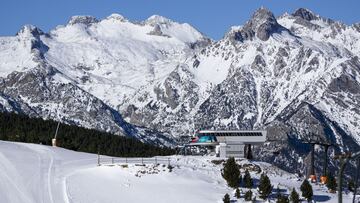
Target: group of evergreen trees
[[231, 173], [21, 128]]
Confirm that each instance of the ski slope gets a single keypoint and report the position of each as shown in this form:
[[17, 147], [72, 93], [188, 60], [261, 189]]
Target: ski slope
[[31, 173]]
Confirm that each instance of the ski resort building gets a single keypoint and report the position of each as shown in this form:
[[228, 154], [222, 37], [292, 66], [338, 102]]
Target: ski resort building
[[229, 143]]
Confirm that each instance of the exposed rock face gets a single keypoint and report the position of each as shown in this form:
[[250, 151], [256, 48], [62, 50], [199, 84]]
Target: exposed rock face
[[357, 26], [305, 14], [262, 24], [86, 20], [296, 76]]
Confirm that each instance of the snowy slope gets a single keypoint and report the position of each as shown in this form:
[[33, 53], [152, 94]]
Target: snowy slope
[[36, 173], [117, 54]]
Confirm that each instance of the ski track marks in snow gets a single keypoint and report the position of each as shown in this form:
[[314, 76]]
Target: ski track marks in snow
[[35, 173]]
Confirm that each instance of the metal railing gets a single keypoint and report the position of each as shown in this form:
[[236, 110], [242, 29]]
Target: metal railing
[[136, 160]]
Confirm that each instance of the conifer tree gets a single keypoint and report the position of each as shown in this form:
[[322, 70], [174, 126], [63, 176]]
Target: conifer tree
[[226, 198], [237, 193], [306, 190], [331, 183], [248, 182], [282, 199], [265, 186], [278, 193], [351, 186], [231, 173], [248, 195], [294, 196]]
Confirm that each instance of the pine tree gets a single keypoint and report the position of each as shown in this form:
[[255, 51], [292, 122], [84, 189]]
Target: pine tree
[[294, 196], [248, 182], [231, 173], [226, 198], [351, 186], [331, 183], [237, 193], [282, 199], [306, 190], [278, 193], [265, 186], [248, 195]]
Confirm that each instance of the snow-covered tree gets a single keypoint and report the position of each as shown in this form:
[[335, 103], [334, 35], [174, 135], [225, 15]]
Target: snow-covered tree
[[231, 173], [226, 198], [237, 193], [306, 190], [351, 186], [248, 182], [248, 195], [265, 186], [294, 196], [331, 183]]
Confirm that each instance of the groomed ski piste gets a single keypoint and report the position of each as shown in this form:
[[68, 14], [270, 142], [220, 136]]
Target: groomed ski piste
[[32, 173]]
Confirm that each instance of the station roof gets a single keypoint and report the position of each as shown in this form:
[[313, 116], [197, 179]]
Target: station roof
[[223, 133]]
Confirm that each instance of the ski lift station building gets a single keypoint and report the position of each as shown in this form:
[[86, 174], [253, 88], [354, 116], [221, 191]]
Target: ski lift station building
[[230, 143]]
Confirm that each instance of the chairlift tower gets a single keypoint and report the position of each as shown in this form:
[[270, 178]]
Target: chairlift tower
[[344, 159], [312, 175]]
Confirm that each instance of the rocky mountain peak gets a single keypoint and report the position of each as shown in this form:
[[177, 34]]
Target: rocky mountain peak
[[261, 16], [305, 14], [30, 31], [156, 19], [262, 24], [116, 16], [86, 20], [30, 35]]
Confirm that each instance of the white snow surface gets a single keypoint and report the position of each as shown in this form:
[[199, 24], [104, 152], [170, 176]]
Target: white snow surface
[[37, 173]]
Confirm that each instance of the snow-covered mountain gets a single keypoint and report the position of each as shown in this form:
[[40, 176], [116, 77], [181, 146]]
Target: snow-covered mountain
[[296, 75]]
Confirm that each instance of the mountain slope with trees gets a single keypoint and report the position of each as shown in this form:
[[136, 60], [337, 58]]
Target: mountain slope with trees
[[21, 128]]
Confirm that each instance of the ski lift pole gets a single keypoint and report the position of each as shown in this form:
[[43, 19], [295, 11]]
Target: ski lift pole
[[357, 178], [98, 158], [343, 162], [344, 159], [54, 142]]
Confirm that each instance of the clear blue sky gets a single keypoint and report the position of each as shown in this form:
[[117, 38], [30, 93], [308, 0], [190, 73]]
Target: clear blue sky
[[212, 17]]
